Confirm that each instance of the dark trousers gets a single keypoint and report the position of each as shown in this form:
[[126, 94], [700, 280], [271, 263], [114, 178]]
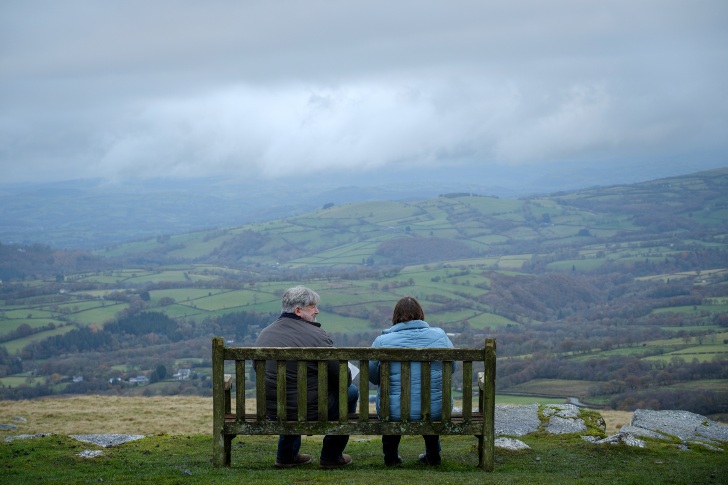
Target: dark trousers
[[390, 445], [333, 445]]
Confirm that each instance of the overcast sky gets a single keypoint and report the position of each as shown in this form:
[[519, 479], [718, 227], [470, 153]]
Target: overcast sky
[[256, 89]]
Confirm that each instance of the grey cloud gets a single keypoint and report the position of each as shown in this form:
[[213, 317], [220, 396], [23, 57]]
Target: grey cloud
[[259, 89]]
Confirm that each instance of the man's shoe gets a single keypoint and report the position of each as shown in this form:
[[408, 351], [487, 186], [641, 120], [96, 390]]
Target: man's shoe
[[343, 461], [301, 459], [393, 461], [433, 460]]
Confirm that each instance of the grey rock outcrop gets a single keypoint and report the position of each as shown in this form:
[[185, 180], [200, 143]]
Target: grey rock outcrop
[[683, 426], [107, 440]]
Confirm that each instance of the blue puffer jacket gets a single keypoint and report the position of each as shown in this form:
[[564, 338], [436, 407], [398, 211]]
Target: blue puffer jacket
[[415, 333]]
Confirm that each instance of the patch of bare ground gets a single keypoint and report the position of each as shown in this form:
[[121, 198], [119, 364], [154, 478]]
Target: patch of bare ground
[[110, 414], [142, 415], [615, 420]]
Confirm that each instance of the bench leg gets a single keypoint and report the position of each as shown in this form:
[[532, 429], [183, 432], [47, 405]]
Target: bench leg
[[221, 449], [228, 449], [481, 451]]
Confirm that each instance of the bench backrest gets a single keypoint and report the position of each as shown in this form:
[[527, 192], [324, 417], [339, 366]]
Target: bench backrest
[[359, 356]]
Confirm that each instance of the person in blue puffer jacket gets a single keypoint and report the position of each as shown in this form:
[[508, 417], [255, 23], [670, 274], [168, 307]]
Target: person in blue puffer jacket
[[409, 329]]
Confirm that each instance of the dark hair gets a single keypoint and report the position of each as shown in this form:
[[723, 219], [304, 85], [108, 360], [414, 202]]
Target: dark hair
[[407, 309]]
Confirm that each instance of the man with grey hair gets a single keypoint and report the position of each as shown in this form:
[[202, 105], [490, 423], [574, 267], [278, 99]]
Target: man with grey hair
[[297, 327]]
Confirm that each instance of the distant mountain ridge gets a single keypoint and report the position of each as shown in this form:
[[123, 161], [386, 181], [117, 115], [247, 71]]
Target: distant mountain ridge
[[89, 214], [455, 226]]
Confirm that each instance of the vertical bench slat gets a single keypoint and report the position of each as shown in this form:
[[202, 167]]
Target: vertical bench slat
[[467, 390], [281, 390], [239, 391], [259, 390], [446, 391], [489, 406], [405, 394], [426, 376], [343, 391], [481, 407], [364, 390], [302, 380], [384, 390], [323, 391], [220, 453]]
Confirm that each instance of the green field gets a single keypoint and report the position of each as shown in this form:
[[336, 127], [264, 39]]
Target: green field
[[550, 388]]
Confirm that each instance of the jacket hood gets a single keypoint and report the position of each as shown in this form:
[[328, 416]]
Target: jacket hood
[[406, 326]]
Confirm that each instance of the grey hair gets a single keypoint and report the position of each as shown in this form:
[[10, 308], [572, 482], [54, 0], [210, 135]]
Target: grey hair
[[298, 296]]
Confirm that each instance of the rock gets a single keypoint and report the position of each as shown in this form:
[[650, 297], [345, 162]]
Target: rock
[[18, 419], [90, 453], [645, 433], [620, 437], [516, 420], [563, 419], [561, 410], [107, 440], [511, 444], [683, 425], [559, 425], [26, 436], [8, 427]]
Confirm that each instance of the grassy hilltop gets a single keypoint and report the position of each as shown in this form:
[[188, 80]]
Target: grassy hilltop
[[178, 449]]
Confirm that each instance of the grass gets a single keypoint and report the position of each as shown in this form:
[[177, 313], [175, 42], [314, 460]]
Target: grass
[[178, 447], [175, 458]]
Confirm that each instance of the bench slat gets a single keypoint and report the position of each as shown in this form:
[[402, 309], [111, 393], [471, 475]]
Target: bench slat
[[352, 353], [260, 389], [302, 380], [467, 389], [281, 389], [355, 426], [323, 391], [364, 390], [405, 395], [446, 389], [426, 390], [343, 390], [240, 387], [384, 390]]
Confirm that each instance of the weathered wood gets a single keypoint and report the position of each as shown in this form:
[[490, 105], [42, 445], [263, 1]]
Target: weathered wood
[[281, 390], [480, 423], [323, 391], [352, 354], [343, 390], [404, 396], [426, 390], [467, 389], [302, 379], [220, 457], [354, 425], [364, 390], [260, 389], [488, 410], [240, 387], [384, 390], [446, 389]]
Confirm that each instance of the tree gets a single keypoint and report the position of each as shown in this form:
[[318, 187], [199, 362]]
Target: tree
[[159, 373]]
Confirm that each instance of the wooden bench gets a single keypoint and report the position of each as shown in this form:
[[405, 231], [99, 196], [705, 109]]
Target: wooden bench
[[229, 421]]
